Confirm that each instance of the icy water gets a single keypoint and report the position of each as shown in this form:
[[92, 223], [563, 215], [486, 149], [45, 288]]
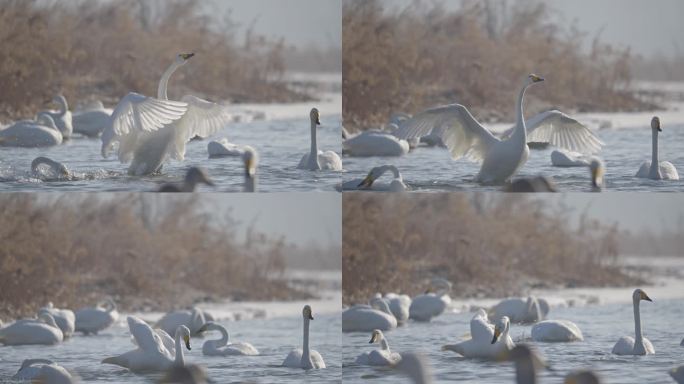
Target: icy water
[[432, 169], [273, 337], [280, 143], [602, 326]]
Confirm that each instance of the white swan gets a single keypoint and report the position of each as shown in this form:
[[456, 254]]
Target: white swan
[[501, 159], [521, 310], [43, 330], [41, 132], [317, 160], [597, 170], [425, 307], [91, 120], [65, 318], [43, 371], [368, 183], [641, 345], [564, 158], [678, 374], [62, 118], [151, 354], [487, 341], [656, 169], [150, 131], [92, 320], [305, 358], [364, 318], [223, 148], [251, 160], [223, 346], [382, 356], [399, 305], [375, 143], [192, 318], [193, 177], [556, 331], [57, 169]]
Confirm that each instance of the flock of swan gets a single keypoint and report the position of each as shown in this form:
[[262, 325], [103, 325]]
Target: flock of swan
[[155, 350], [489, 339], [501, 156], [147, 131]]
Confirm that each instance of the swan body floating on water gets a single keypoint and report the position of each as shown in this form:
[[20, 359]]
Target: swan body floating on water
[[380, 357], [223, 148], [251, 161], [151, 354], [41, 132], [368, 183], [521, 310], [656, 169], [150, 130], [43, 371], [375, 143], [91, 120], [65, 318], [563, 158], [399, 305], [639, 345], [92, 320], [305, 358], [501, 159], [425, 307], [678, 374], [193, 319], [317, 160], [63, 117], [556, 331], [223, 346], [487, 341], [43, 330], [365, 318], [193, 177]]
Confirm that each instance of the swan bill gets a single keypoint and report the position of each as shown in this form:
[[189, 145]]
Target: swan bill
[[187, 56], [655, 123], [374, 336], [186, 338], [307, 312], [644, 296], [497, 333], [367, 182], [536, 78]]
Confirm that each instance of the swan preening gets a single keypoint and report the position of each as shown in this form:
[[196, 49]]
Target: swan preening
[[62, 118], [487, 341], [375, 143], [42, 132], [317, 160], [368, 183], [399, 305], [43, 330], [366, 318], [382, 356], [193, 318], [223, 346], [501, 158], [57, 169], [556, 331], [152, 355], [43, 371], [656, 169], [65, 318], [521, 310], [92, 320], [193, 177], [425, 307], [305, 358], [150, 131], [638, 345]]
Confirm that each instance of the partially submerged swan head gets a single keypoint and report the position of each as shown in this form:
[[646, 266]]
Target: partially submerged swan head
[[376, 336], [639, 295], [655, 124], [183, 58], [183, 332], [315, 116], [306, 313], [582, 377], [197, 175], [501, 327], [376, 173]]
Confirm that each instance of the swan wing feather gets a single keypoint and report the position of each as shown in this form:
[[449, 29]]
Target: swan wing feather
[[205, 118], [146, 338], [560, 130], [136, 112]]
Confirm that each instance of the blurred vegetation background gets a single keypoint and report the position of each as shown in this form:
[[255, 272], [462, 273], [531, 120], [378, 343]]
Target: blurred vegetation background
[[411, 58]]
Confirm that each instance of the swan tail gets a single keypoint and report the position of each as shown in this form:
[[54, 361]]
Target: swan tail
[[115, 360], [453, 347]]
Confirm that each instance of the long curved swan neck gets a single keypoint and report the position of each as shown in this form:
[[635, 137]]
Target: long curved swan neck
[[655, 163], [384, 345], [180, 359], [164, 82], [313, 155], [46, 119], [639, 339], [30, 362], [224, 336], [63, 105], [520, 128], [395, 171], [306, 353]]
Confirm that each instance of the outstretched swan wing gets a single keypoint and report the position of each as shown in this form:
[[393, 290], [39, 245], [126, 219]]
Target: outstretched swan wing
[[145, 337], [560, 130], [480, 328], [136, 112], [457, 128]]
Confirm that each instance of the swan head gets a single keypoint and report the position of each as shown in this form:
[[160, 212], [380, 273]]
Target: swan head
[[597, 170], [533, 79], [582, 377], [46, 317], [376, 336], [368, 181], [315, 116], [59, 99], [184, 332], [251, 161], [655, 124], [183, 58], [500, 327], [198, 175], [639, 295], [306, 313], [208, 326]]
